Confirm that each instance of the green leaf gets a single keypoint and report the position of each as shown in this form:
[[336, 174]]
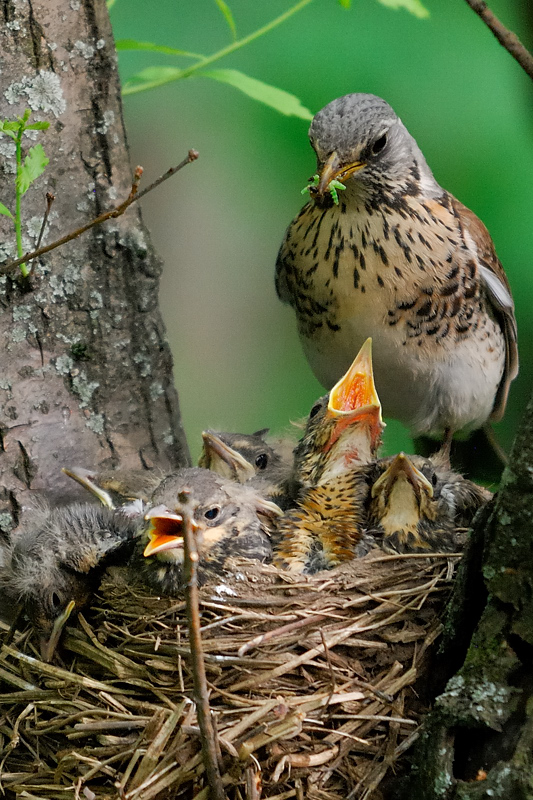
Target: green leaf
[[34, 165], [151, 77], [37, 126], [282, 101], [345, 3], [5, 211], [133, 44], [11, 128], [414, 6], [228, 16]]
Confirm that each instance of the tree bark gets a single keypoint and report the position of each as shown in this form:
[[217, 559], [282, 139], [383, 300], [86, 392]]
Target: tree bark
[[86, 375], [478, 740]]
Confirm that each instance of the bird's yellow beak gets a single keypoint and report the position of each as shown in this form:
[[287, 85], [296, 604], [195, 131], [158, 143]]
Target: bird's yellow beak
[[333, 170], [356, 388], [402, 469], [48, 646], [165, 531], [354, 398], [220, 457]]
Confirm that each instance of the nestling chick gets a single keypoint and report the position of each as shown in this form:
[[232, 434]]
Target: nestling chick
[[417, 507], [326, 528], [344, 427], [230, 519], [343, 434], [125, 489], [249, 458], [55, 564]]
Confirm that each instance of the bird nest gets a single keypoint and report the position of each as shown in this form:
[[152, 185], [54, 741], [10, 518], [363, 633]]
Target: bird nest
[[313, 686]]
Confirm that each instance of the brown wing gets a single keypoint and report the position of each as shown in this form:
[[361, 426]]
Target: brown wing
[[498, 292]]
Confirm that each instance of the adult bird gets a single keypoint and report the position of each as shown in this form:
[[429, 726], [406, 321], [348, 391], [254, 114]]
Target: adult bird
[[230, 519], [382, 250]]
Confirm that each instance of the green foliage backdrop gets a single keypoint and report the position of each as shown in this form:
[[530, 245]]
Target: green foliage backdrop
[[219, 223]]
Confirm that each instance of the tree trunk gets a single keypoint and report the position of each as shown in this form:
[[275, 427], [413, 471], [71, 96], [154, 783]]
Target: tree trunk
[[478, 740], [86, 376]]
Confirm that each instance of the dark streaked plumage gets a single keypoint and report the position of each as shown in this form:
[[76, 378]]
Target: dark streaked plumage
[[401, 260], [230, 519], [56, 561], [326, 528]]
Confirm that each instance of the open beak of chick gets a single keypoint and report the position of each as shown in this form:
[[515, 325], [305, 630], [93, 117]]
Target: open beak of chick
[[220, 457], [402, 475], [165, 531], [354, 399]]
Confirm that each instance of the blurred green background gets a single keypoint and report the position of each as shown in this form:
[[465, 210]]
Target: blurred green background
[[219, 223]]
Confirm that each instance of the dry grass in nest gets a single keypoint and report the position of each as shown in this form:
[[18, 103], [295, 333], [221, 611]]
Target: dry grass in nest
[[311, 686]]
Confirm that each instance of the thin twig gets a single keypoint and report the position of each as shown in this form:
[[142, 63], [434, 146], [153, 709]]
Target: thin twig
[[506, 38], [203, 711], [49, 200], [112, 214]]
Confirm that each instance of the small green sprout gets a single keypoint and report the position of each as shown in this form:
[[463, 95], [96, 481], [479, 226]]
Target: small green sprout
[[27, 171], [334, 187]]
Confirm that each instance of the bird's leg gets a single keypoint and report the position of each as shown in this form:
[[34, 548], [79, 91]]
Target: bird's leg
[[444, 452]]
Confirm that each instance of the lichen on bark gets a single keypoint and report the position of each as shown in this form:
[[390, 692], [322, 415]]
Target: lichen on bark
[[86, 369]]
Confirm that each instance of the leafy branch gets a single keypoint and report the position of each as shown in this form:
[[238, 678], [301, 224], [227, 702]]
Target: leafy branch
[[27, 172], [280, 100]]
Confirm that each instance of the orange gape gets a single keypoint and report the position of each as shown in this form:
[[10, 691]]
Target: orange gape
[[355, 394]]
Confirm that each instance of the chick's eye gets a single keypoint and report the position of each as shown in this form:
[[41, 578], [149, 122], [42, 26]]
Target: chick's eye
[[212, 513], [379, 144], [261, 461], [55, 600], [314, 411], [434, 479]]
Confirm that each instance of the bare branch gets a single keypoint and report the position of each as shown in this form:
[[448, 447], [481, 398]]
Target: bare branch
[[111, 214], [203, 711], [506, 38]]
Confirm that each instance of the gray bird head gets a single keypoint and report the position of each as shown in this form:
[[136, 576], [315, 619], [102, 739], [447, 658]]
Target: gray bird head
[[361, 142]]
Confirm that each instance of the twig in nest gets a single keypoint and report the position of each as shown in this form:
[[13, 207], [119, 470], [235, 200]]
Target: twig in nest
[[112, 214], [506, 38], [203, 711]]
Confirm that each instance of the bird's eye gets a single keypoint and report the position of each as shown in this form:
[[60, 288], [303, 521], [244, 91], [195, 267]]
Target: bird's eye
[[261, 461], [379, 144], [434, 479], [55, 600], [314, 411], [212, 513]]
